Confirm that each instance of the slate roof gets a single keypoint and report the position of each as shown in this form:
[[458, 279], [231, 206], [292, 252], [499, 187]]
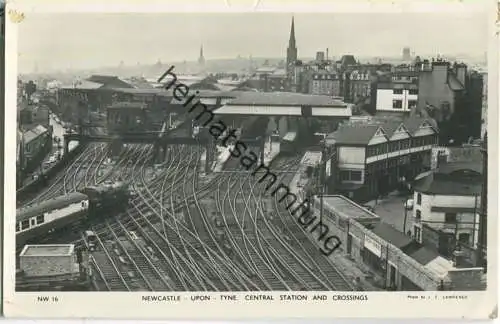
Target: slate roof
[[109, 81], [392, 235], [444, 185], [353, 134], [450, 167], [424, 255], [390, 127]]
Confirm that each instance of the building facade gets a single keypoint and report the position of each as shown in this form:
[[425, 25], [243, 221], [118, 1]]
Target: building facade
[[396, 260], [447, 206], [375, 158], [326, 83]]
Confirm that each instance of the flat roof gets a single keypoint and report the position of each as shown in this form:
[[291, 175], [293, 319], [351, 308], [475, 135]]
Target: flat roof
[[286, 99], [346, 207], [280, 110], [48, 250]]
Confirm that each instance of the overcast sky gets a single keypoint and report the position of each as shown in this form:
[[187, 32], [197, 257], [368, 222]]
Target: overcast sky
[[88, 40]]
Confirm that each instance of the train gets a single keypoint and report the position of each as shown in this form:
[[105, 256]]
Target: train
[[44, 218]]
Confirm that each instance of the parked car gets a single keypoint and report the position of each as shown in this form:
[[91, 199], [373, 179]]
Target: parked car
[[409, 204]]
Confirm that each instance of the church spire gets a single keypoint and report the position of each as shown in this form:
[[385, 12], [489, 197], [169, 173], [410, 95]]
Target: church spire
[[201, 59], [291, 53], [291, 42]]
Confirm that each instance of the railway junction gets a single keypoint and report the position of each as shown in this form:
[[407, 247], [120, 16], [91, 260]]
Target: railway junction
[[191, 217]]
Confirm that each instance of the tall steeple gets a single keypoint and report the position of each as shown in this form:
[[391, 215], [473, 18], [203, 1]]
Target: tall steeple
[[201, 59], [291, 42], [291, 53]]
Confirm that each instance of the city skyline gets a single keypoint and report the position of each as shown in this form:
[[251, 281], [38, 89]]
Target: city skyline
[[134, 38]]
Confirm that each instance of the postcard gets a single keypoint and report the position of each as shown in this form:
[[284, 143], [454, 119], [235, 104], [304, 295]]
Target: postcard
[[216, 160]]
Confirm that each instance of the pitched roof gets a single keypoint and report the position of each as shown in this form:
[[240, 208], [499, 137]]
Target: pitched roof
[[413, 123], [424, 255], [390, 127], [353, 134], [392, 235], [447, 185], [109, 81]]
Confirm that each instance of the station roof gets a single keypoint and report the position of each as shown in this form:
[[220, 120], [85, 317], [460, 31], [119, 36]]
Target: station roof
[[44, 250], [285, 104], [286, 99], [347, 208]]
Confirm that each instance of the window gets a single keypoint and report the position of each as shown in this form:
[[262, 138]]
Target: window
[[350, 176], [344, 175], [40, 219], [464, 238], [412, 104], [18, 227], [25, 224], [416, 233], [418, 215], [413, 91], [450, 218], [419, 198], [356, 175], [33, 221], [397, 104], [397, 91]]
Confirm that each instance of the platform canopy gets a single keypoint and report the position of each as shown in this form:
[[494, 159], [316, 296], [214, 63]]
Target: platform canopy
[[285, 104]]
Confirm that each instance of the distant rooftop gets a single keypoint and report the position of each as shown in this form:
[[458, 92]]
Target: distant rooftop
[[47, 250]]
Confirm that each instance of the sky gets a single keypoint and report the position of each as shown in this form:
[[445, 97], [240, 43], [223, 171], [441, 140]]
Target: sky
[[90, 40]]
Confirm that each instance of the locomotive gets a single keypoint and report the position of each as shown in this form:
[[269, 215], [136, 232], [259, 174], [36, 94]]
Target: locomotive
[[43, 218]]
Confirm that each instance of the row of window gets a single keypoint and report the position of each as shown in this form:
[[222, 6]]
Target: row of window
[[410, 91], [350, 175], [25, 224], [40, 219], [395, 146], [398, 104]]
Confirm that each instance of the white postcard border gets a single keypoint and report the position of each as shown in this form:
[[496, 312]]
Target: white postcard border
[[474, 305]]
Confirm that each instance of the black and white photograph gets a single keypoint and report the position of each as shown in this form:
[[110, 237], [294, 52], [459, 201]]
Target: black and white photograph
[[245, 153]]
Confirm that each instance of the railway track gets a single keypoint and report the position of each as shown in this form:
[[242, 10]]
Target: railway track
[[180, 234]]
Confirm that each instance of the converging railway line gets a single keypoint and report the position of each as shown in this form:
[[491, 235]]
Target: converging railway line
[[184, 230]]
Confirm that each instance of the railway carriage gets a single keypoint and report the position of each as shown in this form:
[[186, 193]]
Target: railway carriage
[[43, 218]]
